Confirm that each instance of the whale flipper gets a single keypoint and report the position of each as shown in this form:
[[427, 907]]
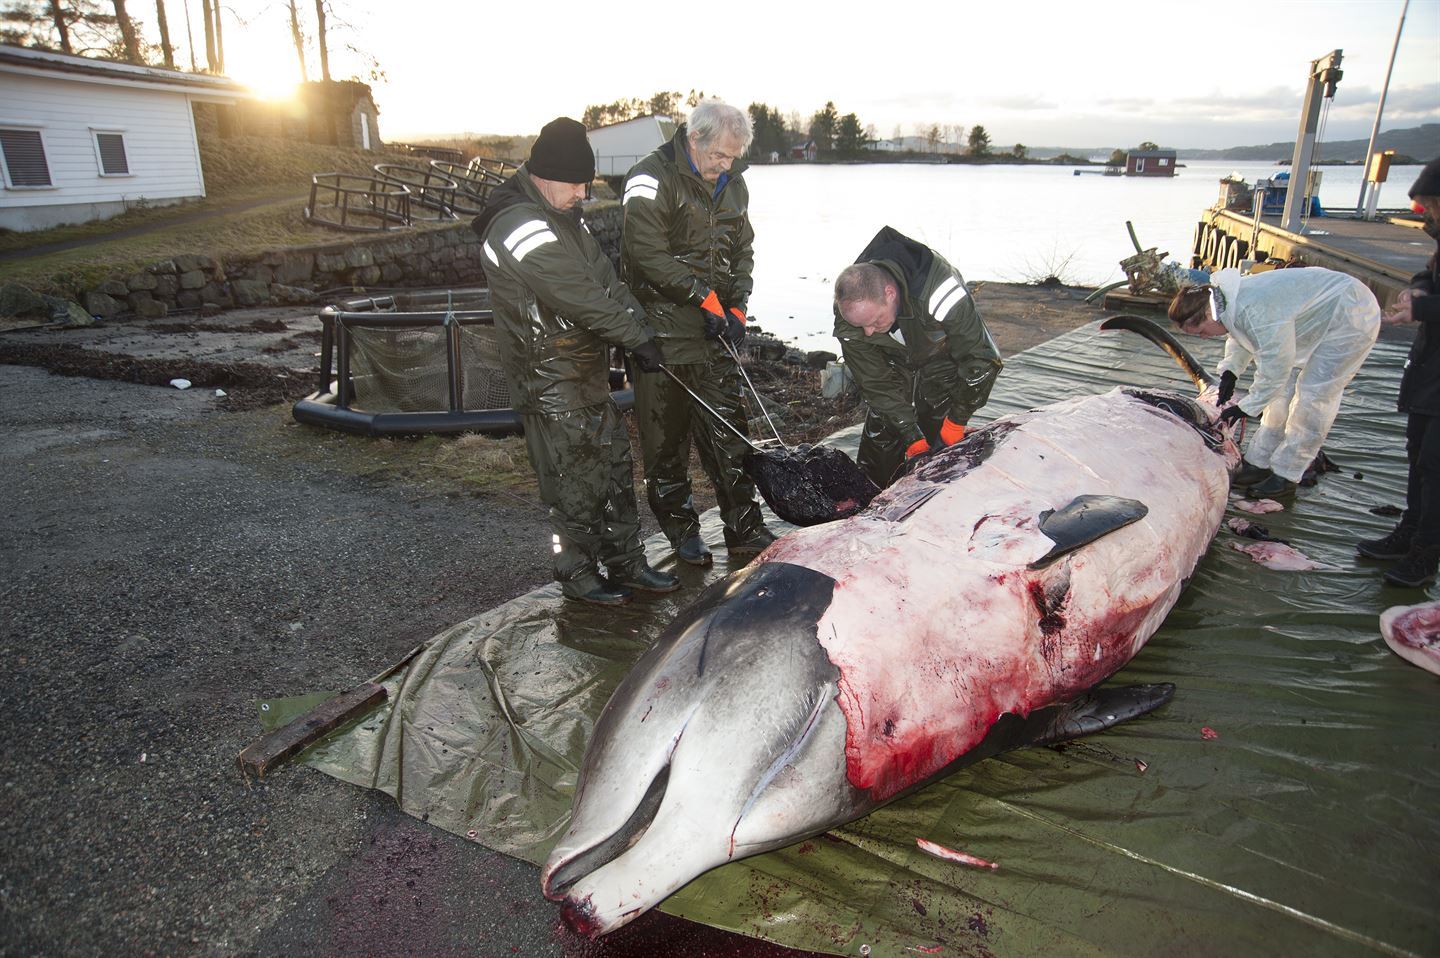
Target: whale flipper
[[1084, 520]]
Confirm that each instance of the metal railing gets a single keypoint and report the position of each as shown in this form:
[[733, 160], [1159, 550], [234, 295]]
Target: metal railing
[[472, 189], [363, 204], [429, 189]]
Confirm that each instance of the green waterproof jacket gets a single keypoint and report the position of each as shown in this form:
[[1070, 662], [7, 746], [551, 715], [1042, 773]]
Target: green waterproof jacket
[[558, 303], [682, 239], [947, 361]]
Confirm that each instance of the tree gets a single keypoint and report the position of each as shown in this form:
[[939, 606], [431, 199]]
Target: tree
[[130, 41], [1147, 147], [666, 104], [769, 129], [166, 50], [321, 40], [75, 27], [979, 141], [1117, 158], [603, 114], [1018, 151], [297, 37], [932, 137], [823, 127], [849, 135]]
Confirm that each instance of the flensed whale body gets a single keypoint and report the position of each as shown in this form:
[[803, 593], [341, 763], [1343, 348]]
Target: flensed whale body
[[974, 606]]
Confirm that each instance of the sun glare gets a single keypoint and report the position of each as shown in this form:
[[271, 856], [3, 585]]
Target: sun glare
[[263, 62]]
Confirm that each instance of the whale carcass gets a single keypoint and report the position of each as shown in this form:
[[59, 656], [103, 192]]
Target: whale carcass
[[974, 606]]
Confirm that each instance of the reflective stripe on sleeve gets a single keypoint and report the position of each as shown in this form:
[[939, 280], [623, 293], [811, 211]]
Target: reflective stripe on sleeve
[[946, 295], [527, 237], [641, 186]]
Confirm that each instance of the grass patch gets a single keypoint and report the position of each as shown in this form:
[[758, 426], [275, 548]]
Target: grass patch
[[272, 224], [258, 190], [470, 464]]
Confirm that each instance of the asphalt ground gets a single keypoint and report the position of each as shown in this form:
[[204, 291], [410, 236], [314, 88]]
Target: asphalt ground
[[168, 561]]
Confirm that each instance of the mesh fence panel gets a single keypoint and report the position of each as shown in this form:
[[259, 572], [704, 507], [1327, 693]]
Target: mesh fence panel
[[399, 370], [404, 369], [483, 386]]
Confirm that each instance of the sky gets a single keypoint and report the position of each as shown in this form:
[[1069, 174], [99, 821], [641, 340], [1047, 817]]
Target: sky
[[1100, 73]]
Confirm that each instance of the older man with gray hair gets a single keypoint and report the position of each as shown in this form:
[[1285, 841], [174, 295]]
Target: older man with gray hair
[[686, 254]]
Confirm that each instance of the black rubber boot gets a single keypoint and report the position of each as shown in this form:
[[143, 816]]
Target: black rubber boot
[[642, 578], [1395, 545], [1248, 474], [751, 544], [1417, 569], [694, 551], [601, 593], [1276, 487]]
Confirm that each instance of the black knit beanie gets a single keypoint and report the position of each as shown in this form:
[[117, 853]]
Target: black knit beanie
[[1428, 182], [562, 153]]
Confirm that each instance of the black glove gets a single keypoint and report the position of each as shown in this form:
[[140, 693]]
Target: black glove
[[711, 311], [1230, 415], [1227, 386], [648, 356], [734, 327]]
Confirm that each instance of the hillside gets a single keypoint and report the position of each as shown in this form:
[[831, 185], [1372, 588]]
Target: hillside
[[1421, 142]]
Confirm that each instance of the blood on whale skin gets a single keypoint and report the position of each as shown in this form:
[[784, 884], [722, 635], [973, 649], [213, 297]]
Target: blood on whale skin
[[938, 626]]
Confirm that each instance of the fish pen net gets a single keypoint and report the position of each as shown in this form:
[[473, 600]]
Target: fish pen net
[[407, 369], [416, 363]]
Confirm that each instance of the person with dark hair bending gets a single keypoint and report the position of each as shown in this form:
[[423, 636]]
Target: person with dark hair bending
[[1415, 541], [920, 353], [1308, 331]]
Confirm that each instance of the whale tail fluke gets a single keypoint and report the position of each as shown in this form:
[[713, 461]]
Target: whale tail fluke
[[1162, 338]]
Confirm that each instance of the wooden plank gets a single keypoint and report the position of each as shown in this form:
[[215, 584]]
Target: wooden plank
[[275, 747], [1124, 299]]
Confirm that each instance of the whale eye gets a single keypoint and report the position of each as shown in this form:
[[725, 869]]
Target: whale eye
[[763, 592]]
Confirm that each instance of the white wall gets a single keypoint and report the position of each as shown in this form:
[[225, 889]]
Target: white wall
[[159, 136], [621, 146]]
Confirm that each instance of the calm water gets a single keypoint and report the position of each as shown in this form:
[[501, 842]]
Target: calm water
[[1004, 223]]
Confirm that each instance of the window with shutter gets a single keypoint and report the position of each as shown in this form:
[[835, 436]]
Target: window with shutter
[[111, 147], [24, 154]]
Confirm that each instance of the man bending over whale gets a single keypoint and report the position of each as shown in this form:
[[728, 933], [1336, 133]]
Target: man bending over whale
[[917, 347]]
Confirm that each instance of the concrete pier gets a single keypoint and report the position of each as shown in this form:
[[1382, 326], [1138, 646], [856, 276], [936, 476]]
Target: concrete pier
[[1382, 253]]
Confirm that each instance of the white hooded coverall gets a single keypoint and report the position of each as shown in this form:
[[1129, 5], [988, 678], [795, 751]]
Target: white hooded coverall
[[1308, 332]]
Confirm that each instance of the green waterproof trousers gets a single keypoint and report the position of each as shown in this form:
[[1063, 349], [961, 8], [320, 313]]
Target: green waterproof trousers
[[669, 421], [882, 446], [587, 481]]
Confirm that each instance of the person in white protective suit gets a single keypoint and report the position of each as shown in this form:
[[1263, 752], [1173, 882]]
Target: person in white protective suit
[[1308, 331]]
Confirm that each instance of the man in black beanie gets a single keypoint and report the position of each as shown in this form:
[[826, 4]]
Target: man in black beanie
[[1416, 540], [558, 308]]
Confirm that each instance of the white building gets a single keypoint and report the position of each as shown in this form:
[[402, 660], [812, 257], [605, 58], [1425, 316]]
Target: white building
[[84, 139], [620, 146]]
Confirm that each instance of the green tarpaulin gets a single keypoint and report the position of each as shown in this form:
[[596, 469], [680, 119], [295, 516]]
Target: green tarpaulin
[[1285, 801]]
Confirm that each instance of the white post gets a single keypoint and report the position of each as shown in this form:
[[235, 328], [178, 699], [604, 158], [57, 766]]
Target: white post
[[1380, 111], [1324, 74]]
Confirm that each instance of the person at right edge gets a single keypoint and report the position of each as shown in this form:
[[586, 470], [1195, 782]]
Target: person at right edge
[[686, 254], [917, 348], [1415, 541]]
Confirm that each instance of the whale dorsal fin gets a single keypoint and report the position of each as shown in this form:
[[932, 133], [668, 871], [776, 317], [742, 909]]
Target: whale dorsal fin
[[1084, 520]]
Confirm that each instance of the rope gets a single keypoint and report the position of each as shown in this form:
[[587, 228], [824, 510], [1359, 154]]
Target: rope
[[1306, 200]]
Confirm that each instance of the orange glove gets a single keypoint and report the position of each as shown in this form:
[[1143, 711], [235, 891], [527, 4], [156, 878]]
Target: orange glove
[[714, 316], [917, 447], [951, 432]]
